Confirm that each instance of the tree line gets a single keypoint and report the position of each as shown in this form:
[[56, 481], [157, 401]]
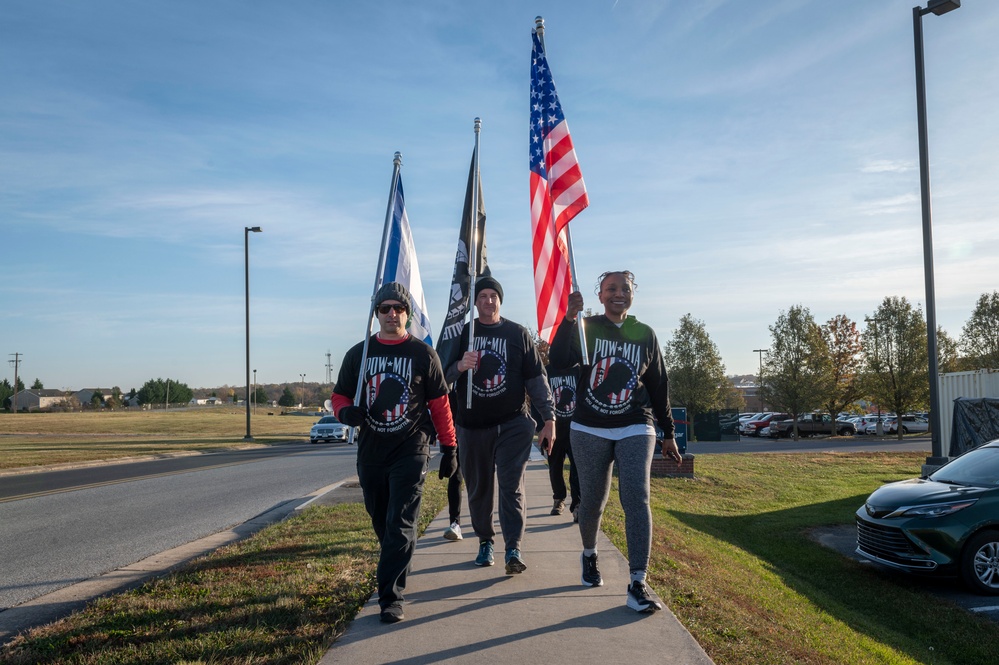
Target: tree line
[[835, 365]]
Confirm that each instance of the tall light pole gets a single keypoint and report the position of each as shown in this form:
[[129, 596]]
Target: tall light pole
[[303, 389], [246, 255], [759, 388], [937, 7], [254, 391]]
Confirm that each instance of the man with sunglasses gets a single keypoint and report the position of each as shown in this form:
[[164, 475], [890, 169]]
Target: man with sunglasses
[[405, 399], [497, 431]]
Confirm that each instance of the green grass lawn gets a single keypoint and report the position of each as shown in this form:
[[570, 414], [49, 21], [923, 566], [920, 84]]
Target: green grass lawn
[[731, 557], [28, 439]]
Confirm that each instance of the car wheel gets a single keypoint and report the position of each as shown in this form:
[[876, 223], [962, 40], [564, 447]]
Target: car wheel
[[980, 563], [905, 430]]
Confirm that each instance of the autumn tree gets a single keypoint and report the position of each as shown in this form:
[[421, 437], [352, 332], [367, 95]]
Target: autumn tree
[[980, 335], [842, 340], [696, 372], [896, 367], [797, 368], [948, 354]]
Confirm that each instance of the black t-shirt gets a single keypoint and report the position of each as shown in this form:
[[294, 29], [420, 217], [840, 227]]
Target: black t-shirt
[[508, 358], [563, 385], [399, 382]]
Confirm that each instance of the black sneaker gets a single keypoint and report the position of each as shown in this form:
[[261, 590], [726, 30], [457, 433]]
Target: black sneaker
[[640, 600], [392, 613], [590, 576], [558, 507]]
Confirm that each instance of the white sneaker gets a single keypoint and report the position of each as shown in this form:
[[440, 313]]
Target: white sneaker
[[453, 532]]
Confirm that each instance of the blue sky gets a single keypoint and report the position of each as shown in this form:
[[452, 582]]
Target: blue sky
[[740, 158]]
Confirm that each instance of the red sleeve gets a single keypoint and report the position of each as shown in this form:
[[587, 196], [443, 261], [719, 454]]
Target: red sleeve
[[338, 401], [440, 413]]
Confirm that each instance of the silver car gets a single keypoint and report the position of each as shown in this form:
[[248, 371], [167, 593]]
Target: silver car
[[328, 429]]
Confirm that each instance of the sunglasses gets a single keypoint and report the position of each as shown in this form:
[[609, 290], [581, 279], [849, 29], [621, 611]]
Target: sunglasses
[[385, 309]]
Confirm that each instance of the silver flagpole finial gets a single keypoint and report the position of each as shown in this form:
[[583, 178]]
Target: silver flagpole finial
[[398, 159], [539, 25], [478, 125]]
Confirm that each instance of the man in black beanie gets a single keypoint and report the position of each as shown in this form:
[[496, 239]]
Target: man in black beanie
[[404, 391], [496, 433]]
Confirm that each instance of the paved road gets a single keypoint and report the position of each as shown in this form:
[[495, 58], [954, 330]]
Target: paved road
[[76, 524]]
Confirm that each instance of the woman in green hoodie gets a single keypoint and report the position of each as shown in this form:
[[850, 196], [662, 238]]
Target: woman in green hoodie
[[623, 390]]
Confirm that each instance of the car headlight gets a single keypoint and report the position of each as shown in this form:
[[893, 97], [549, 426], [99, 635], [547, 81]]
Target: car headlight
[[932, 510]]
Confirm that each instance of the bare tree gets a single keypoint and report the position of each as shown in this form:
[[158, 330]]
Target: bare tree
[[896, 369], [797, 367]]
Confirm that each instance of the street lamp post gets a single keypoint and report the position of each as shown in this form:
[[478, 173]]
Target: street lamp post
[[303, 389], [759, 387], [936, 7], [246, 254], [254, 391]]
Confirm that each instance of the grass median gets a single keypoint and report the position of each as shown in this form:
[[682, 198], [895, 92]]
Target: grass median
[[29, 439], [731, 557]]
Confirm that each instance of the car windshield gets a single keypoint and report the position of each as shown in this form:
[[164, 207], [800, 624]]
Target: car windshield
[[979, 467], [328, 420]]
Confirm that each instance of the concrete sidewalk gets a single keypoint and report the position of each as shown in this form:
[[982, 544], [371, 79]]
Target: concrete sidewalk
[[457, 612]]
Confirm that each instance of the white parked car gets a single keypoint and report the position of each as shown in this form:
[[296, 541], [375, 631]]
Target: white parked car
[[909, 424], [328, 429]]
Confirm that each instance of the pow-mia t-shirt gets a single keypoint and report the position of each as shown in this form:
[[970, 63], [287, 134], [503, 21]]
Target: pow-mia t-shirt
[[563, 386], [508, 358], [399, 380], [623, 381]]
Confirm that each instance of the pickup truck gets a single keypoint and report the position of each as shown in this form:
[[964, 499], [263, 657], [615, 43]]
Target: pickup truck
[[809, 424]]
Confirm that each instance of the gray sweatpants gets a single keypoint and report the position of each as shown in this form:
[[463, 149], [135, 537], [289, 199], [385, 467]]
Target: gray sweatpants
[[595, 458], [503, 450]]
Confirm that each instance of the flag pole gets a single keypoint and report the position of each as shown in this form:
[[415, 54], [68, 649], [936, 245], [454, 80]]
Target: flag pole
[[390, 210], [473, 255], [539, 27]]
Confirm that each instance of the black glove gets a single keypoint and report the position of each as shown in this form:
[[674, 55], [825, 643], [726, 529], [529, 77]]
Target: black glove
[[352, 416], [449, 461]]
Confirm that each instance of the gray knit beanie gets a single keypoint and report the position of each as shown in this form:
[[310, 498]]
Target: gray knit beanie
[[394, 291]]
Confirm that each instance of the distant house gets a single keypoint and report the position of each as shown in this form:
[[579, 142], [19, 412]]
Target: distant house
[[37, 399], [84, 395], [205, 401]]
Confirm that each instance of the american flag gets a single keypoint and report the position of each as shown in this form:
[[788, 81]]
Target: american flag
[[557, 194]]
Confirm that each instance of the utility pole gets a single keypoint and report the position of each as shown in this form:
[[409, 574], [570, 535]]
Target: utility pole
[[15, 362], [303, 389], [329, 368]]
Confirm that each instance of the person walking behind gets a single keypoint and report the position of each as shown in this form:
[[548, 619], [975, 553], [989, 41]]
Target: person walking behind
[[623, 387], [453, 531], [563, 386], [497, 432], [404, 392]]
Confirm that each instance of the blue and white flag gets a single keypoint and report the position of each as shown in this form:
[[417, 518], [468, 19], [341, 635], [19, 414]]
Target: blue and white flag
[[401, 266]]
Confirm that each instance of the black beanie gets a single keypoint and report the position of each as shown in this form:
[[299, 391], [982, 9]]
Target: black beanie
[[394, 291], [488, 282]]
